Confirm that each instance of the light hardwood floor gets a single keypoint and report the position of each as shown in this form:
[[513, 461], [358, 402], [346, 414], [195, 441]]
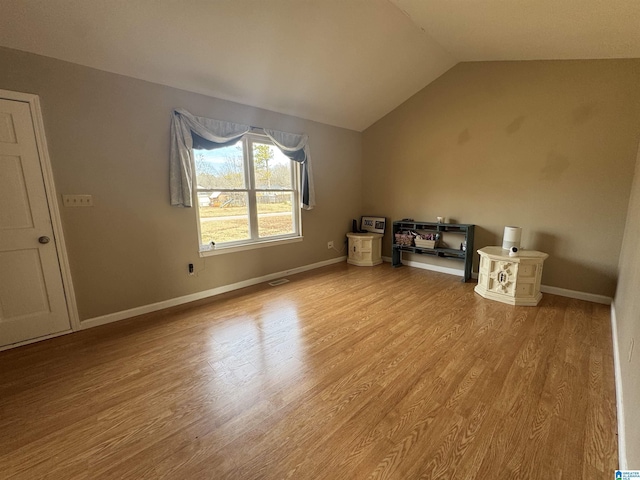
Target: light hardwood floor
[[344, 373]]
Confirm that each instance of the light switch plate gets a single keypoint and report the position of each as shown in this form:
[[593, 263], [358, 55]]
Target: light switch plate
[[77, 200]]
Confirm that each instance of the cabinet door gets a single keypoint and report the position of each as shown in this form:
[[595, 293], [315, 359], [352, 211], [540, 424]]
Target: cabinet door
[[527, 274], [355, 249], [365, 245], [503, 277]]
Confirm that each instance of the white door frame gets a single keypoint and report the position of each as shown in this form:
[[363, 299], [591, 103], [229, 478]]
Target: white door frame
[[52, 200]]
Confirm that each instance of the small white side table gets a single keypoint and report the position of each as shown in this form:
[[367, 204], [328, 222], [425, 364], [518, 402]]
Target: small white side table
[[365, 249], [513, 280]]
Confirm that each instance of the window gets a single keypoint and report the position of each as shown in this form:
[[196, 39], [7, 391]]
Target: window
[[247, 193]]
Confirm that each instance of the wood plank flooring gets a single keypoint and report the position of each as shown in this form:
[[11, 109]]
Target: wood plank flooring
[[344, 373]]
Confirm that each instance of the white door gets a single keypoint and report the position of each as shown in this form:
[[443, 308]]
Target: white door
[[32, 299]]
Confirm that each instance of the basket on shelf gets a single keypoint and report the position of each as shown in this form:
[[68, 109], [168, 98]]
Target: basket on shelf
[[427, 240], [425, 243], [404, 239]]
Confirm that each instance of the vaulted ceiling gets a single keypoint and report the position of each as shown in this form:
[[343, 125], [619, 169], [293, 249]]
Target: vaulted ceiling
[[341, 62]]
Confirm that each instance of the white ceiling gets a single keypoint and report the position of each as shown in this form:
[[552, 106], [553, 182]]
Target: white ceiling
[[476, 30], [341, 62]]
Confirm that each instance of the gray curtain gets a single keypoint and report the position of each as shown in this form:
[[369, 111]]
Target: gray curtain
[[181, 161], [216, 133], [296, 147]]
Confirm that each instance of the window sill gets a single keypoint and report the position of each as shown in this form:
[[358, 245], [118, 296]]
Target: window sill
[[208, 252]]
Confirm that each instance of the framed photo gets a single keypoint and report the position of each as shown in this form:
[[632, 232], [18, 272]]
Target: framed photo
[[373, 224]]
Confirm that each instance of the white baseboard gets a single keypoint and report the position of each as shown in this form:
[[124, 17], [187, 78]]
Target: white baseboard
[[34, 340], [428, 266], [434, 268], [563, 292], [589, 297], [154, 307], [617, 375]]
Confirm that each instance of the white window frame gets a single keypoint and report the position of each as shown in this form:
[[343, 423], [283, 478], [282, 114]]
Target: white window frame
[[254, 241]]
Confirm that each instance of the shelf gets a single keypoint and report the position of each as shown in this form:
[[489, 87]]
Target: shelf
[[436, 227], [441, 252], [450, 228]]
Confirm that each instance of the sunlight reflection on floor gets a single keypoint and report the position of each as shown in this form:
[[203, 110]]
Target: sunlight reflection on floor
[[267, 345]]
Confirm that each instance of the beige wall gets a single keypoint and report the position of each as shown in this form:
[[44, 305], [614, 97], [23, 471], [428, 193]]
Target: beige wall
[[108, 136], [546, 145], [627, 307]]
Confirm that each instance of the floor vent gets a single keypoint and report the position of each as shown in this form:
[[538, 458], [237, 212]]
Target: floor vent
[[280, 281]]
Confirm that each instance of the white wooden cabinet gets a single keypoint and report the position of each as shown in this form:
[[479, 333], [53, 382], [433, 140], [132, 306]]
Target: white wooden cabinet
[[513, 280], [365, 249]]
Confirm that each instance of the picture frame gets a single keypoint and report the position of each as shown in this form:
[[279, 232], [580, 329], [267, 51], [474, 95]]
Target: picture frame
[[373, 224]]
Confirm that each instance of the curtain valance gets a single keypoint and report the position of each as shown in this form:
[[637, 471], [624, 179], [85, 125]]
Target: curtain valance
[[220, 133]]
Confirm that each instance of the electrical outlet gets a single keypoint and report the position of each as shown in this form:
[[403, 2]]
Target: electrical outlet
[[77, 200], [631, 349], [329, 245], [191, 269]]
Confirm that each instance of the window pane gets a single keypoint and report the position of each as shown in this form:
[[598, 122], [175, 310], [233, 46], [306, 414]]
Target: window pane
[[220, 168], [272, 168], [225, 219], [275, 213]]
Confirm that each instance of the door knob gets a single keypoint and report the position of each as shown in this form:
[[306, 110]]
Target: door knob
[[44, 239]]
